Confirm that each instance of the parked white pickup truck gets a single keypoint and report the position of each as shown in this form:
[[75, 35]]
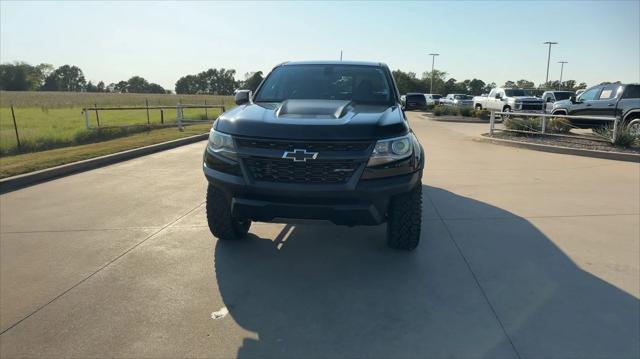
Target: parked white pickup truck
[[509, 99]]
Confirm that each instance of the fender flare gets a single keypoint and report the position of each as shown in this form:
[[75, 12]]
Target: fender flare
[[630, 113]]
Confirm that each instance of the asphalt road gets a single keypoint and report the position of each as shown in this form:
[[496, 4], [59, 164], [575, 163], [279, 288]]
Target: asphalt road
[[524, 254]]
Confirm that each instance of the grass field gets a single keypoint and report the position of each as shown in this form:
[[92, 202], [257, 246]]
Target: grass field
[[23, 163], [52, 130], [48, 120]]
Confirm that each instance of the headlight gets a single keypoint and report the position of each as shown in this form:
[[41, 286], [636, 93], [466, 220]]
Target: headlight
[[390, 150], [222, 144]]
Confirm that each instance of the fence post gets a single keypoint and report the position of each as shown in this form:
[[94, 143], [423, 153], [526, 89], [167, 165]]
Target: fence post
[[86, 118], [162, 116], [206, 113], [146, 101], [95, 107], [15, 127], [615, 130], [179, 117], [544, 122], [492, 121]]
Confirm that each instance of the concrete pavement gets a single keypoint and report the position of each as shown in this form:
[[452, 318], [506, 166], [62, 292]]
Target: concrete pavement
[[524, 254]]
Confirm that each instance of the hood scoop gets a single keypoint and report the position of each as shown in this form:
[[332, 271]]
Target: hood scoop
[[315, 109]]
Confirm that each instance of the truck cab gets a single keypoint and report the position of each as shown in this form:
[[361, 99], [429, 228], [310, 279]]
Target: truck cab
[[606, 100], [551, 97], [512, 99]]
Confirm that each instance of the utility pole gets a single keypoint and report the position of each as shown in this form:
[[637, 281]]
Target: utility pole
[[433, 61], [340, 55], [561, 69], [546, 81]]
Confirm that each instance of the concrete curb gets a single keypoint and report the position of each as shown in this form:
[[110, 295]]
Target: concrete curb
[[13, 183], [617, 156]]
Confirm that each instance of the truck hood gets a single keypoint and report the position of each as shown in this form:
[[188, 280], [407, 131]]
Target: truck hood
[[562, 104], [526, 98], [313, 120]]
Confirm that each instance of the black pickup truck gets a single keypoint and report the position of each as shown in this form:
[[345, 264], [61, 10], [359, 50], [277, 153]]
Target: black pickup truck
[[318, 140], [610, 100]]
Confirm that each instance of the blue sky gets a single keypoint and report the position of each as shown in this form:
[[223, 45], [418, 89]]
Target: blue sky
[[493, 40]]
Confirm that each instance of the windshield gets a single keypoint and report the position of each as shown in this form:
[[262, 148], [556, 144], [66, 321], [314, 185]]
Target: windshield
[[518, 92], [562, 95], [435, 97], [364, 84], [463, 97]]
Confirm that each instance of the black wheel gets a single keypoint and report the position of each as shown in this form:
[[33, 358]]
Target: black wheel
[[219, 218], [633, 126], [405, 219]]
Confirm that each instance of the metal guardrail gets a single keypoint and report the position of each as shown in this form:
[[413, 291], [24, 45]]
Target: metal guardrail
[[545, 116], [180, 120]]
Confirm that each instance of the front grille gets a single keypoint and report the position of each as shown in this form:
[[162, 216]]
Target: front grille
[[531, 106], [309, 146], [287, 171]]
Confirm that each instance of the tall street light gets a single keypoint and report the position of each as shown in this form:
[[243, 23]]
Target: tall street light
[[561, 69], [433, 61], [548, 60]]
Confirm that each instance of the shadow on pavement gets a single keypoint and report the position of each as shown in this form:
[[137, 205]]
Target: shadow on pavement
[[329, 291]]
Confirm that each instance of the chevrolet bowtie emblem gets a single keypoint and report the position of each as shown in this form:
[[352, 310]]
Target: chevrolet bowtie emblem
[[300, 155]]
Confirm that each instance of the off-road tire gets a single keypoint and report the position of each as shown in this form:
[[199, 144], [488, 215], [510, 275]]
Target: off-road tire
[[633, 125], [405, 219], [221, 223]]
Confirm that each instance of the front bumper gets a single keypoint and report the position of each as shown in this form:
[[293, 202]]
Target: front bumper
[[362, 202]]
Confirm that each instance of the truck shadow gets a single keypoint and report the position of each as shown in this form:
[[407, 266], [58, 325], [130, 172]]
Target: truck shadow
[[329, 291]]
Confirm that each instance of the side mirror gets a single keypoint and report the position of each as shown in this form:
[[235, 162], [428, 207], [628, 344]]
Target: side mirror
[[572, 98], [549, 99], [242, 97], [498, 96]]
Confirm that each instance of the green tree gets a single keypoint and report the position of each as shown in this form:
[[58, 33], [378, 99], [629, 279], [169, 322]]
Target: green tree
[[509, 84], [439, 78], [137, 84], [90, 87], [476, 87], [121, 87], [21, 76], [100, 87], [525, 84], [408, 82], [65, 78], [252, 80], [187, 85]]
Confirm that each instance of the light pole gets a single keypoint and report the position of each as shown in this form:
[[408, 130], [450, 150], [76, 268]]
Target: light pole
[[433, 61], [546, 81], [561, 70]]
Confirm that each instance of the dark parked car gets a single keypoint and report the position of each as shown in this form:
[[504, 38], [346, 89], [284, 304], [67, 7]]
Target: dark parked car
[[318, 140], [415, 101], [610, 100]]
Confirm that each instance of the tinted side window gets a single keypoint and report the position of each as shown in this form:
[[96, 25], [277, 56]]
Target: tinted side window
[[632, 91], [609, 92], [590, 94]]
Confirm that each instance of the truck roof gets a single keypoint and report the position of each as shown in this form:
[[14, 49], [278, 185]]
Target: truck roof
[[333, 62]]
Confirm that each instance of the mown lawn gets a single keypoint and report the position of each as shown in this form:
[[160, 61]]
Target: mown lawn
[[47, 120], [52, 129], [18, 164]]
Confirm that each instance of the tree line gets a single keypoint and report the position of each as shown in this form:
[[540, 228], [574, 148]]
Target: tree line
[[20, 76], [409, 82]]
